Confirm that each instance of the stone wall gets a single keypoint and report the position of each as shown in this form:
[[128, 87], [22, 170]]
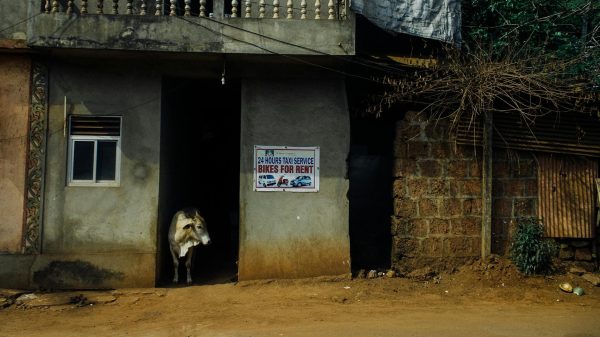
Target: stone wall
[[580, 251], [437, 198], [514, 193]]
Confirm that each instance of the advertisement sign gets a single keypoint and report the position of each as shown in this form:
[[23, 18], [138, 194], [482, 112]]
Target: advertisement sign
[[286, 168]]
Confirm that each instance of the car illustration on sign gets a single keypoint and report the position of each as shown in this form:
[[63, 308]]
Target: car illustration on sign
[[301, 181], [266, 180]]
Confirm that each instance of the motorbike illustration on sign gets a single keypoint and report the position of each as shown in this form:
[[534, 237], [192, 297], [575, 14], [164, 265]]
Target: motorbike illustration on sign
[[286, 168]]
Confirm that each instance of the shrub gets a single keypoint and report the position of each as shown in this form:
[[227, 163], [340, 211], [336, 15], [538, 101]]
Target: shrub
[[530, 251]]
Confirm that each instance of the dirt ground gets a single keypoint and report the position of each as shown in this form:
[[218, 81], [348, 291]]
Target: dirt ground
[[482, 299]]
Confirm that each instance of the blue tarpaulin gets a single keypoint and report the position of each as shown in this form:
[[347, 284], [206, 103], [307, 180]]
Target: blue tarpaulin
[[432, 19]]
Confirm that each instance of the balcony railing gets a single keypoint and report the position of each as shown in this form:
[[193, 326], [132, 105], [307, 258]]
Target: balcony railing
[[258, 9], [290, 27]]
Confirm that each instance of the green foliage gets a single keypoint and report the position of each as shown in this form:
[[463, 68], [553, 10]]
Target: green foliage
[[540, 30], [524, 57], [530, 251]]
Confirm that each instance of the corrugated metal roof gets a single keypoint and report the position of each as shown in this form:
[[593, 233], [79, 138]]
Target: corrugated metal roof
[[577, 134]]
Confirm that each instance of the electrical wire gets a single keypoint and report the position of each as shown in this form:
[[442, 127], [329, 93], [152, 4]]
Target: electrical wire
[[297, 59], [20, 22], [354, 60], [348, 60]]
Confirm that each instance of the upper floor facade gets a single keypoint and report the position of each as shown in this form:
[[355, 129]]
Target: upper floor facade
[[294, 27]]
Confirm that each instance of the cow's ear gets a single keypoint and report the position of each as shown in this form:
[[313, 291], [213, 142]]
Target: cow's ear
[[188, 226]]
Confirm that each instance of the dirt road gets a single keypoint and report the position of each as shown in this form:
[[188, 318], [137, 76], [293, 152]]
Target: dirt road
[[473, 303]]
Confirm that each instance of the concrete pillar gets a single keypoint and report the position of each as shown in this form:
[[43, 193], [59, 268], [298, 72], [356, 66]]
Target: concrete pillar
[[285, 234]]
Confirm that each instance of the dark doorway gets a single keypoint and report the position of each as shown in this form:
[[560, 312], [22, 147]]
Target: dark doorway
[[370, 172], [200, 154]]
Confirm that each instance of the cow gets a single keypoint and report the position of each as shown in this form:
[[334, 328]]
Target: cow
[[188, 229]]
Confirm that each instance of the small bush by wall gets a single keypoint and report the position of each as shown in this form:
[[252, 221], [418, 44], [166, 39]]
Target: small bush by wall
[[530, 252]]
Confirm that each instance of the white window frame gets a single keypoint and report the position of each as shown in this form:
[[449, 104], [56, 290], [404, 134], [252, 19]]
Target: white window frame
[[94, 182]]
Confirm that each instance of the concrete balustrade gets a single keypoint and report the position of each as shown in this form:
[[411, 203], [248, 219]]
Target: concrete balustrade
[[190, 26], [294, 9]]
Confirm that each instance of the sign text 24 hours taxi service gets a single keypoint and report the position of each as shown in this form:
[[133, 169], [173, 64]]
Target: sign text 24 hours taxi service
[[286, 168]]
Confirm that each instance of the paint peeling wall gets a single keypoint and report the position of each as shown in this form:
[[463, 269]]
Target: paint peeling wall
[[15, 72], [100, 225], [292, 235]]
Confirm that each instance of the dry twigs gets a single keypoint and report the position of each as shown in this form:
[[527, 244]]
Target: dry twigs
[[467, 86]]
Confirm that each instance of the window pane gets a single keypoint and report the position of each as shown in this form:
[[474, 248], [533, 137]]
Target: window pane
[[106, 160], [83, 160]]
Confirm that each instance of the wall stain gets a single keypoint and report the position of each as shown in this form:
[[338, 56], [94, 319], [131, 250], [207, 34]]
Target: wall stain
[[114, 43], [294, 258], [68, 274]]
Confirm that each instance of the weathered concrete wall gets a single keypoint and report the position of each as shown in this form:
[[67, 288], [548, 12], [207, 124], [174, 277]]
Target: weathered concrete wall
[[192, 34], [437, 198], [99, 225], [15, 73], [13, 19], [16, 270], [291, 235]]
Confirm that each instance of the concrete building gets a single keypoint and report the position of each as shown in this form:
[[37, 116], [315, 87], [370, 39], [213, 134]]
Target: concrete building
[[117, 114]]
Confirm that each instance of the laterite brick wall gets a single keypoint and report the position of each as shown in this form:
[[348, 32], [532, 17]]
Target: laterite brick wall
[[437, 198], [514, 192]]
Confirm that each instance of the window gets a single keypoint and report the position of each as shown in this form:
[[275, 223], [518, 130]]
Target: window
[[94, 151]]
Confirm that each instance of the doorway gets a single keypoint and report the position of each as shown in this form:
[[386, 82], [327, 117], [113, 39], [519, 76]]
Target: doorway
[[370, 165], [199, 167]]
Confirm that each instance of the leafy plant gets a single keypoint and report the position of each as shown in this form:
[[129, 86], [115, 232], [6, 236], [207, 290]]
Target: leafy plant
[[530, 251], [566, 30]]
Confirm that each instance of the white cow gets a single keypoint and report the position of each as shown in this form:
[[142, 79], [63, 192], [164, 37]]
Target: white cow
[[188, 229]]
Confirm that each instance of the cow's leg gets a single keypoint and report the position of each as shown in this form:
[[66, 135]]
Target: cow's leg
[[188, 264], [175, 265]]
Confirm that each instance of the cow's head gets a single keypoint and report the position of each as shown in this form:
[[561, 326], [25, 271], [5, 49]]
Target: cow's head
[[197, 228]]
